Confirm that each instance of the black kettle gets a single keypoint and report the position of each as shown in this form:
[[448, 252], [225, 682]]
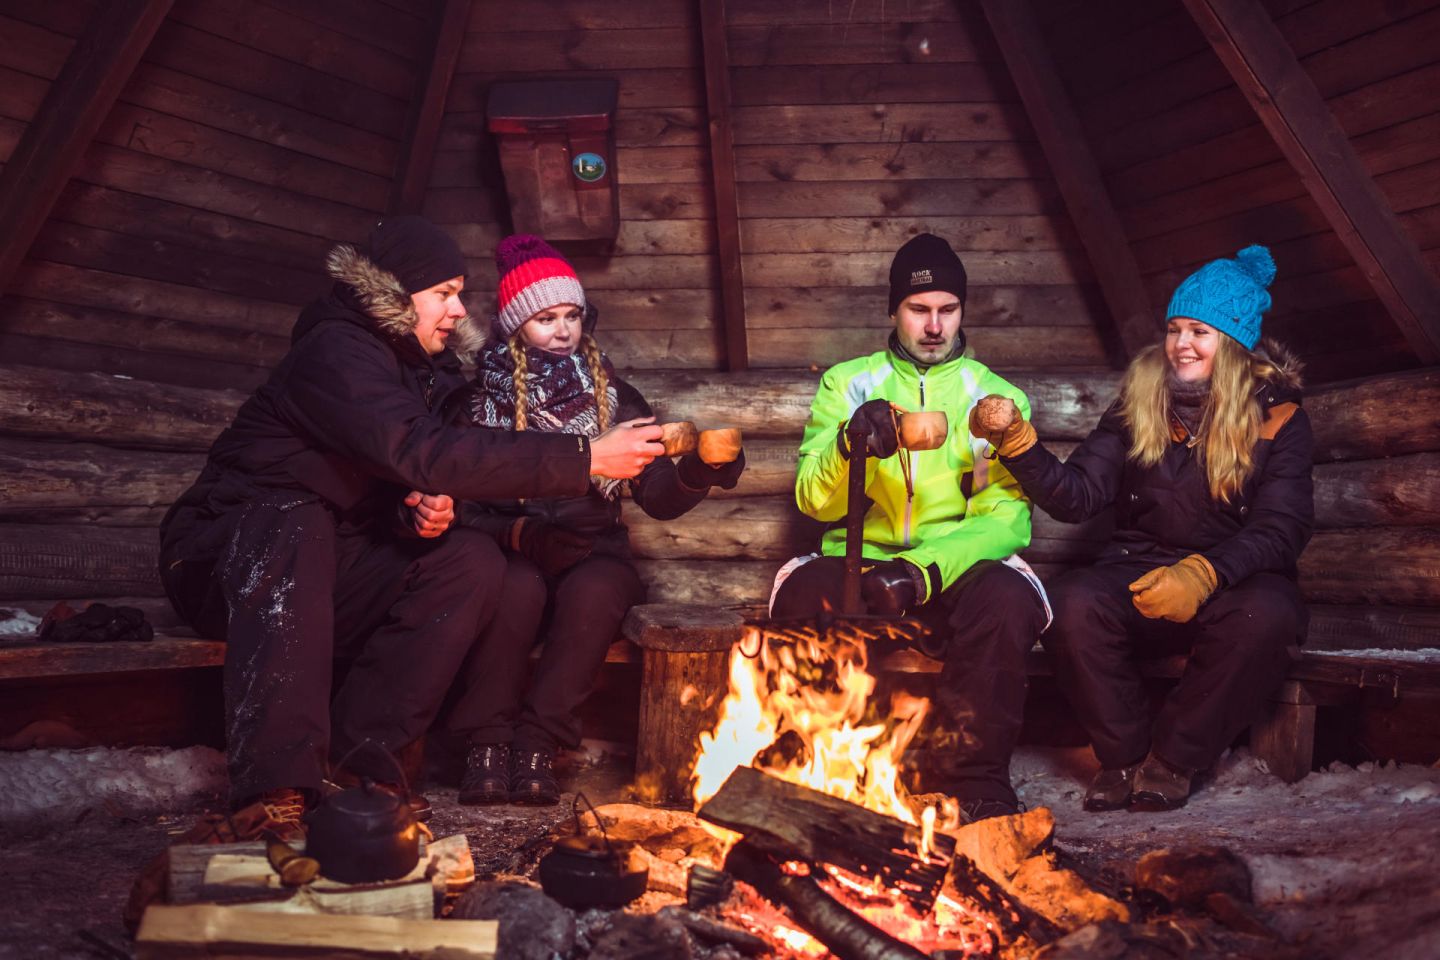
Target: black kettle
[[584, 870], [365, 834]]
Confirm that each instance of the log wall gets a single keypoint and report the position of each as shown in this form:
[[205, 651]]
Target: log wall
[[1194, 175], [250, 138], [78, 519]]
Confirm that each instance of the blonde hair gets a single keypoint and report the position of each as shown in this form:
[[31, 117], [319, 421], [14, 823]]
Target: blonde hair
[[1229, 428], [590, 350]]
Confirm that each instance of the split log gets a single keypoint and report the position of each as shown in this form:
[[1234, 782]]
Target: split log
[[50, 482], [1379, 565], [1396, 491], [203, 930], [1362, 419], [53, 404], [848, 935], [789, 821], [1340, 627]]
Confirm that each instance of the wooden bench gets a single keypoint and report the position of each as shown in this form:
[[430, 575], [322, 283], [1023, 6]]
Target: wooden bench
[[129, 448]]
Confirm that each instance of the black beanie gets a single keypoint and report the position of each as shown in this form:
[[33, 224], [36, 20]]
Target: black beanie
[[419, 253], [925, 263]]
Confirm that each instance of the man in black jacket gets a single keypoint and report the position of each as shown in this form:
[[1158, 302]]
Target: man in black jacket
[[320, 526]]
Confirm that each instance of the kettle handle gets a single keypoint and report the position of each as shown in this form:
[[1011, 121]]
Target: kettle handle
[[370, 741]]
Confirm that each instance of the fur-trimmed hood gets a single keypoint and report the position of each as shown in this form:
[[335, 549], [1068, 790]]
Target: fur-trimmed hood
[[1288, 366], [382, 297]]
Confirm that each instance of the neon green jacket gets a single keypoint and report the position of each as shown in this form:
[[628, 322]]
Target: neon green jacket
[[966, 508]]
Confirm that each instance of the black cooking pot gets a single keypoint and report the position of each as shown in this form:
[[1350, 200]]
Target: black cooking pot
[[365, 834], [590, 871]]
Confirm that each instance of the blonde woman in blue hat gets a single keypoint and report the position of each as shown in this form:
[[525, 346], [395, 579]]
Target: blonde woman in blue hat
[[1205, 458]]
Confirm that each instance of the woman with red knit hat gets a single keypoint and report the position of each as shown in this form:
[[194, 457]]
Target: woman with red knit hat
[[542, 370]]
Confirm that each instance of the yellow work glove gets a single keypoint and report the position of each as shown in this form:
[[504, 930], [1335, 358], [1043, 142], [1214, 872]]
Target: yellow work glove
[[997, 420], [1175, 592]]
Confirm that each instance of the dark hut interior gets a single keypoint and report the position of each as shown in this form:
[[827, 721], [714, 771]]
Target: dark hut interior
[[176, 170]]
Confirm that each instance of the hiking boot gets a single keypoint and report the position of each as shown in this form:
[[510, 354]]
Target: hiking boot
[[487, 775], [1111, 789], [284, 810], [1160, 786], [532, 778], [983, 808]]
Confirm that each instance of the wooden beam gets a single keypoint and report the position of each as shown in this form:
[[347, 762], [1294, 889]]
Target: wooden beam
[[77, 103], [1076, 173], [427, 108], [1265, 69], [722, 178]]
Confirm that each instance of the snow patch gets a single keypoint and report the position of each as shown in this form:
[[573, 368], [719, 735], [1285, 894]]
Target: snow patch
[[1418, 655], [18, 625], [51, 785]]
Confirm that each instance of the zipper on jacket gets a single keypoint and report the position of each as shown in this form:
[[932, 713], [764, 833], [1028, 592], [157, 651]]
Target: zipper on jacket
[[910, 493]]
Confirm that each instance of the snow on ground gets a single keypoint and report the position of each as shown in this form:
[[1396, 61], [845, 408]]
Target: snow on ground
[[49, 786], [1344, 860], [1418, 655], [17, 624]]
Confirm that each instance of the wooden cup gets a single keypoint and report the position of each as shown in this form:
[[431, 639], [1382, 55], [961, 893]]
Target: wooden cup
[[719, 446], [679, 438], [923, 430]]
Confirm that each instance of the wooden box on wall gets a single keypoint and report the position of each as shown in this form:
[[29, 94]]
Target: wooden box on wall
[[557, 149]]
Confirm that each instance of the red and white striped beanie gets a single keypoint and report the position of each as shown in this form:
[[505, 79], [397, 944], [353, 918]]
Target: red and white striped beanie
[[533, 277]]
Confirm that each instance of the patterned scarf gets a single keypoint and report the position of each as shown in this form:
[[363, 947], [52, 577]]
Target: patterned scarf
[[560, 395]]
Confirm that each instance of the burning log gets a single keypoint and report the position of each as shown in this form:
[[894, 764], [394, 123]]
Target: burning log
[[848, 936], [794, 822]]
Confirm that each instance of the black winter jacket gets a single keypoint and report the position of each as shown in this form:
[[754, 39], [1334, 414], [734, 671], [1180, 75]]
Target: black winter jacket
[[356, 415], [1164, 513]]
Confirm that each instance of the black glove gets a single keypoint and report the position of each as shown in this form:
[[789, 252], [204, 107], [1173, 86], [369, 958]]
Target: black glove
[[553, 549], [875, 416], [697, 474], [892, 587], [97, 623]]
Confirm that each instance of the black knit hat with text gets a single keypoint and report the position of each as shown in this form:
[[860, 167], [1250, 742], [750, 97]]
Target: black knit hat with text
[[925, 263], [419, 253]]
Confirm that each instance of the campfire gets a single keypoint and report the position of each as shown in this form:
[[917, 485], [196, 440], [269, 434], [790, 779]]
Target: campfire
[[803, 772]]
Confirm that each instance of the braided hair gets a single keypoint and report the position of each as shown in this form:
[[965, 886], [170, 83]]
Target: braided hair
[[590, 350]]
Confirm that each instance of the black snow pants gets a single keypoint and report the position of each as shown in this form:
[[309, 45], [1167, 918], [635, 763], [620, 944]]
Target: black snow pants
[[984, 625], [291, 593], [1240, 643], [577, 616]]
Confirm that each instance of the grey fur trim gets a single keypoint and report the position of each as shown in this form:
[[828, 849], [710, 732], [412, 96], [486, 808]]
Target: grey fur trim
[[469, 338], [379, 290], [1288, 365]]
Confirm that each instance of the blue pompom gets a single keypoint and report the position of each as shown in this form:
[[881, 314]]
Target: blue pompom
[[1257, 262]]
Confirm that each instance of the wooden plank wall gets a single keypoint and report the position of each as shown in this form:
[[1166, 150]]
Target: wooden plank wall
[[856, 126], [860, 124], [656, 292], [252, 135], [1195, 176]]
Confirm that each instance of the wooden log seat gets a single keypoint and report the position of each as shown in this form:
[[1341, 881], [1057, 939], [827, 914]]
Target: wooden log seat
[[89, 463]]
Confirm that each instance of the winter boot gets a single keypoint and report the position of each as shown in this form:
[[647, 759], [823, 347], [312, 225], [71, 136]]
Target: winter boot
[[487, 775], [1160, 786], [532, 778], [1111, 789], [983, 808]]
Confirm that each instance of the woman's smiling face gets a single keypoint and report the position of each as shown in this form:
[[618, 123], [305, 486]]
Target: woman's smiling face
[[1190, 347]]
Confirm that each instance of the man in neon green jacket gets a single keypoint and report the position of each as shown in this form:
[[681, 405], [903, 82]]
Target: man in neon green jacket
[[942, 526]]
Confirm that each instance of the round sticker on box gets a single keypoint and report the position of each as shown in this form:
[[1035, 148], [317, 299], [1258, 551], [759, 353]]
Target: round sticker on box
[[588, 166]]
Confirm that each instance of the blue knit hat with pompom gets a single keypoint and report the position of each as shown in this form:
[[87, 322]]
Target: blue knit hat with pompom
[[1228, 295]]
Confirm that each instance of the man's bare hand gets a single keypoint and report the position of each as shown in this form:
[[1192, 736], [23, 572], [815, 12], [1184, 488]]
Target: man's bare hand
[[431, 513], [625, 449]]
